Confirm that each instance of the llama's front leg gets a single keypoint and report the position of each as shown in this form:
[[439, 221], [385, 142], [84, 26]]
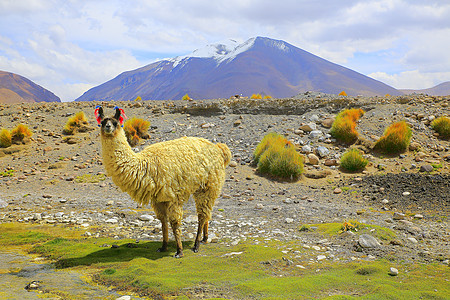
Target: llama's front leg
[[165, 233], [176, 227]]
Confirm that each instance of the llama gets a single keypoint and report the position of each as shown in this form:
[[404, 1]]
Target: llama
[[166, 174]]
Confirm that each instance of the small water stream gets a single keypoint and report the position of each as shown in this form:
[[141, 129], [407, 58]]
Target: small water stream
[[17, 271]]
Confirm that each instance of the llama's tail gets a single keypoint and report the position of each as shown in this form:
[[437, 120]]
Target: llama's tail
[[225, 152]]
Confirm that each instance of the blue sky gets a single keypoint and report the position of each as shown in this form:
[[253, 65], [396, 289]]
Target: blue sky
[[70, 46]]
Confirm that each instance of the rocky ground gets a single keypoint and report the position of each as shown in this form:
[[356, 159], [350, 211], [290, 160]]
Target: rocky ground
[[59, 179]]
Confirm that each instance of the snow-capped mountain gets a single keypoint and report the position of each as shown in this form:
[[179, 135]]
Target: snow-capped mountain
[[259, 65]]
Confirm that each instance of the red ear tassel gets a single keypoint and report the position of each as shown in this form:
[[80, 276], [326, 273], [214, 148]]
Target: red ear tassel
[[122, 116], [97, 117]]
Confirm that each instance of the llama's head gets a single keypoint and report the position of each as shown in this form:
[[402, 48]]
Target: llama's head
[[109, 125]]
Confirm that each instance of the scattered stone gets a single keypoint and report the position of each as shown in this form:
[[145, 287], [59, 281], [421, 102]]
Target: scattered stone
[[112, 221], [321, 257], [233, 164], [331, 162], [381, 167], [328, 122], [322, 151], [412, 240], [315, 133], [426, 168], [289, 220], [237, 123], [317, 174], [313, 159], [306, 149], [3, 203], [314, 118], [368, 241], [146, 218], [393, 271], [406, 193], [418, 216], [385, 201], [414, 146], [308, 127], [337, 191], [398, 216]]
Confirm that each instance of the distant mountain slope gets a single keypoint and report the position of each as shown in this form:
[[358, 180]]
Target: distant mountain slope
[[260, 65], [442, 89], [15, 89]]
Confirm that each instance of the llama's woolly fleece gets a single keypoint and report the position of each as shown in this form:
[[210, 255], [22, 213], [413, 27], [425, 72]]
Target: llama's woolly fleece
[[167, 171]]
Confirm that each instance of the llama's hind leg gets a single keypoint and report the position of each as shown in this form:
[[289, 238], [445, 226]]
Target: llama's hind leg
[[205, 232], [202, 223], [204, 202]]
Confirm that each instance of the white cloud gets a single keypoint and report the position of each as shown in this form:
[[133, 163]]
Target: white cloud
[[411, 79], [68, 46]]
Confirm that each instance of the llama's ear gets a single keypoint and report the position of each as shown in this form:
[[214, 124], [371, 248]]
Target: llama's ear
[[98, 112], [120, 115]]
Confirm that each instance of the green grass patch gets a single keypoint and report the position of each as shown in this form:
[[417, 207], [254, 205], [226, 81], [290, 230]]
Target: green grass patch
[[442, 126], [276, 156], [333, 229], [353, 161], [7, 173], [252, 269], [90, 178]]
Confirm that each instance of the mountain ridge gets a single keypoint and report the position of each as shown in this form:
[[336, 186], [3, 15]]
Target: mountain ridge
[[15, 88], [259, 65], [442, 89]]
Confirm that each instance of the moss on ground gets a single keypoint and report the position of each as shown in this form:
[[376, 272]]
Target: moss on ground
[[332, 229], [251, 269]]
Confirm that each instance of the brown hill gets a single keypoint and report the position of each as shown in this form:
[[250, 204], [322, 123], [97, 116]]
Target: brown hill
[[15, 89], [442, 89]]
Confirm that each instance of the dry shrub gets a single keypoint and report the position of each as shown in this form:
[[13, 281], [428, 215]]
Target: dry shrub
[[75, 122], [442, 126], [256, 96], [267, 97], [343, 93], [186, 97], [135, 129], [353, 161], [5, 138], [276, 156], [20, 134], [344, 126], [396, 139]]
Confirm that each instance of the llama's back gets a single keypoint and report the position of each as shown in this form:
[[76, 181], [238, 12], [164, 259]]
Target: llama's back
[[185, 165]]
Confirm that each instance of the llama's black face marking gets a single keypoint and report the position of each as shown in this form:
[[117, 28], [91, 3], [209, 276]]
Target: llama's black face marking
[[109, 125]]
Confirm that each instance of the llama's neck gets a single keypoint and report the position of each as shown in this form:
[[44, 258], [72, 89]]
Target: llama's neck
[[116, 152]]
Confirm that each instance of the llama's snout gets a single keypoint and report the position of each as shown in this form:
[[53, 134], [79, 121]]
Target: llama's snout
[[108, 127]]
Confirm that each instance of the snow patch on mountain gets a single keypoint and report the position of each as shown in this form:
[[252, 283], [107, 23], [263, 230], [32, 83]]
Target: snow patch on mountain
[[220, 52]]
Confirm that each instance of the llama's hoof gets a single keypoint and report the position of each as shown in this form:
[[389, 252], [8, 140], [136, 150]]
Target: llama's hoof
[[179, 254], [195, 249], [162, 249]]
